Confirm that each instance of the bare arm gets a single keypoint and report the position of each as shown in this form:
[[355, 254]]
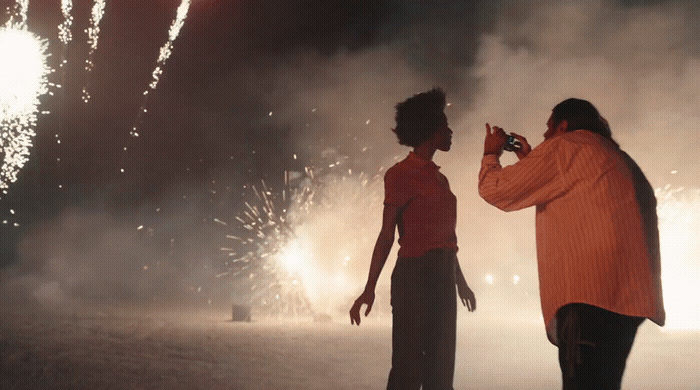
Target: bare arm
[[466, 295], [381, 251]]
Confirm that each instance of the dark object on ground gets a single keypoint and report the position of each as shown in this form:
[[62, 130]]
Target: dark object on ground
[[240, 313]]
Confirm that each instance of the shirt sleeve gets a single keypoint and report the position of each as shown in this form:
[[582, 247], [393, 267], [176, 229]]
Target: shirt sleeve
[[531, 181], [396, 188]]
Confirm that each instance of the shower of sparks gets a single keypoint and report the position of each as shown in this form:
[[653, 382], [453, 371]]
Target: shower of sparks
[[65, 35], [679, 229], [64, 29], [288, 252], [164, 53], [18, 17], [261, 235], [166, 50], [98, 10], [23, 80]]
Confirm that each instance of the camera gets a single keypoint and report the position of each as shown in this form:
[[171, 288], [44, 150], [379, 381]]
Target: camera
[[511, 144]]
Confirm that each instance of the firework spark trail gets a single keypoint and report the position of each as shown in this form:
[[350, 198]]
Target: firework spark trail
[[164, 53], [64, 32], [64, 29], [65, 35], [98, 10], [23, 79]]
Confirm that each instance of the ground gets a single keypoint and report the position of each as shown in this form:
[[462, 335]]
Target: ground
[[159, 347]]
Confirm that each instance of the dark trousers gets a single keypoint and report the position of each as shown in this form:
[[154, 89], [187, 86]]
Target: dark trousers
[[593, 346], [424, 307]]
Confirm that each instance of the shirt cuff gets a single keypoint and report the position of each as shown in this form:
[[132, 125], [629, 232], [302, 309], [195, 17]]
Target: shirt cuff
[[490, 160]]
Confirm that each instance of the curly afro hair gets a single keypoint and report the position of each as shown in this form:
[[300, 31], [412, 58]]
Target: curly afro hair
[[419, 116]]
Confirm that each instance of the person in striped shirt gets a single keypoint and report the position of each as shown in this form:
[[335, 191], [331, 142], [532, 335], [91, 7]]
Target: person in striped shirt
[[597, 238]]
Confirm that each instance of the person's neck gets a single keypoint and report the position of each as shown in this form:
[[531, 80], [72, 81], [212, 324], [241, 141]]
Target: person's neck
[[425, 151]]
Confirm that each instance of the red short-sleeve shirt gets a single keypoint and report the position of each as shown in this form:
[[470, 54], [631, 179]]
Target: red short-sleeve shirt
[[427, 207]]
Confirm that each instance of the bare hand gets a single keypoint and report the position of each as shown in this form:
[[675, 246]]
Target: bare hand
[[523, 148], [367, 297], [466, 295], [494, 141]]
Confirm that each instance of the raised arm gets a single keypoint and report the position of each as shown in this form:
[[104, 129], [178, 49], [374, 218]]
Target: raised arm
[[533, 180]]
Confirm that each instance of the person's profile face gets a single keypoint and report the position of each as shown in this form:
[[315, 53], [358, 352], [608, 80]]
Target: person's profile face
[[443, 136], [551, 129]]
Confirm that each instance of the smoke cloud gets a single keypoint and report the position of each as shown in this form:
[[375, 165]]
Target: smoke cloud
[[637, 63], [503, 63]]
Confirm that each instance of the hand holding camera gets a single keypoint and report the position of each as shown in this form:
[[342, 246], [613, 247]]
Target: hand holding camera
[[511, 144], [518, 144], [497, 141]]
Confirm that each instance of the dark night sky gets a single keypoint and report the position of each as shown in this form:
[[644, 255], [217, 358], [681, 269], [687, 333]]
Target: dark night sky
[[211, 103], [209, 112], [208, 118]]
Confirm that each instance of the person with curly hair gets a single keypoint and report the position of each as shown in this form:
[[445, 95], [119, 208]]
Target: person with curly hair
[[418, 201]]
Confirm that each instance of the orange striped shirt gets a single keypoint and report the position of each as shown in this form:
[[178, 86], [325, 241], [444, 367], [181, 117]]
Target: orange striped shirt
[[597, 239]]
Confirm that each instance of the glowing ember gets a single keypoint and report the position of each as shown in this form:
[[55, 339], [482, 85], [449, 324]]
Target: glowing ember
[[22, 81]]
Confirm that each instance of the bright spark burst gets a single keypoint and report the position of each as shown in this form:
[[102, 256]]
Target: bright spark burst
[[679, 229], [98, 11], [293, 247], [23, 80]]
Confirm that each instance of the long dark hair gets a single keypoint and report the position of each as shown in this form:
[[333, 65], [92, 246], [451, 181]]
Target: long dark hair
[[581, 115]]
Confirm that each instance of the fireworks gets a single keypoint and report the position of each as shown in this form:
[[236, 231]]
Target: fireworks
[[294, 249], [64, 29], [23, 79], [164, 54], [679, 229], [18, 17], [166, 50], [98, 10], [262, 235]]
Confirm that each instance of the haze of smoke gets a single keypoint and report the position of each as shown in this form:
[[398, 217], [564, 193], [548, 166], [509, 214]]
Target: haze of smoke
[[639, 65], [88, 255]]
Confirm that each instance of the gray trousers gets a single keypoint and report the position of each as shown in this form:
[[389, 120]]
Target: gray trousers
[[424, 307]]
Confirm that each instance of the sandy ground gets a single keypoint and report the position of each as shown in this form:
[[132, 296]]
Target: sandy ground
[[139, 347]]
